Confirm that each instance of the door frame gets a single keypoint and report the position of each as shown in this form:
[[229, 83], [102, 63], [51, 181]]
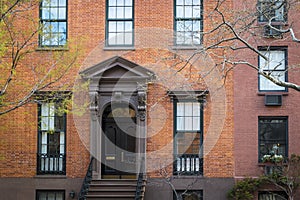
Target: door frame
[[117, 80]]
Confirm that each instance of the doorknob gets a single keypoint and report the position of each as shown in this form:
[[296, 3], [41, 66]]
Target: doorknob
[[122, 156]]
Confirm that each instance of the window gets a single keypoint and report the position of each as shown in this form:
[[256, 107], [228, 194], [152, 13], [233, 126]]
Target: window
[[53, 17], [274, 10], [275, 65], [188, 22], [119, 23], [188, 195], [52, 125], [272, 134], [188, 137], [274, 195], [50, 195]]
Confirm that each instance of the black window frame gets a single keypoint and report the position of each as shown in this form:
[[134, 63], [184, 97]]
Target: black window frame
[[58, 159], [39, 192], [270, 49], [42, 21], [182, 193], [281, 193], [263, 143], [185, 156], [262, 13], [186, 19], [108, 20]]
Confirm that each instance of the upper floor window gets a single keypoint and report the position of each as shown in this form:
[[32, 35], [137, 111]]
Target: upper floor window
[[51, 140], [50, 195], [188, 22], [53, 18], [274, 10], [119, 22], [275, 66], [272, 134], [187, 137]]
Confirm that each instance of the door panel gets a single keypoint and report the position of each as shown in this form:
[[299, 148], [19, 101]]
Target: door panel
[[119, 146]]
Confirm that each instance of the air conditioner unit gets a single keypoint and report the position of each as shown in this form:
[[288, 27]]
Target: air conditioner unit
[[273, 100], [270, 32]]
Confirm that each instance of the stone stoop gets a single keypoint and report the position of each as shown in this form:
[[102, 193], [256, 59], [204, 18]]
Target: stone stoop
[[110, 189]]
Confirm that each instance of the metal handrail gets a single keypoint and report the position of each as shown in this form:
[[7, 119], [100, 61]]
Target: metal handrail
[[139, 185], [86, 182]]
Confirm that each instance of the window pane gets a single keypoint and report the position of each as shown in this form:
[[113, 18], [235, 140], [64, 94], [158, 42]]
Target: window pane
[[44, 123], [128, 12], [180, 123], [120, 2], [128, 2], [180, 109], [196, 109], [62, 3], [128, 26], [196, 2], [196, 123], [196, 12], [120, 12], [188, 12], [266, 84], [62, 13], [120, 27], [53, 14], [112, 12], [112, 26], [112, 38], [179, 2], [188, 122], [112, 2], [59, 196], [277, 60], [128, 38], [46, 13], [120, 38], [180, 26], [188, 109], [188, 2], [42, 196], [179, 12]]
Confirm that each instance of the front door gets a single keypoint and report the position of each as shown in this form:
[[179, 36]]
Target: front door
[[119, 142]]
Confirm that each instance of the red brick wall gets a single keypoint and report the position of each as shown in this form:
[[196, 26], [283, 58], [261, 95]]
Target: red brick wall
[[249, 102], [154, 26]]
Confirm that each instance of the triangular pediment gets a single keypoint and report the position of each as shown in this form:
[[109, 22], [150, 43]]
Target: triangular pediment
[[116, 68]]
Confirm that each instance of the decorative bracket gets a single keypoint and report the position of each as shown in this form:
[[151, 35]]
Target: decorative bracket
[[142, 102]]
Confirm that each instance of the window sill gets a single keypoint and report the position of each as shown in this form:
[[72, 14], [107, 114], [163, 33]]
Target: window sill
[[282, 23], [188, 176], [48, 176], [119, 48], [52, 49], [283, 93], [187, 47]]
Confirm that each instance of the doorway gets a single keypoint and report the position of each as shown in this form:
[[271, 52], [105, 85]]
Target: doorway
[[118, 142]]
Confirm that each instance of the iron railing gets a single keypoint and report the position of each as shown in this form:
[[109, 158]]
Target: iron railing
[[51, 163], [86, 182], [140, 180], [188, 164]]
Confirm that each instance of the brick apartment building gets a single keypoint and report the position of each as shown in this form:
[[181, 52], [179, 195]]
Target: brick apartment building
[[154, 121]]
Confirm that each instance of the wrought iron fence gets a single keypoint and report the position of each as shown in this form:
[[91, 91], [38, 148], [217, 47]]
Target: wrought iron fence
[[188, 164], [51, 163]]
